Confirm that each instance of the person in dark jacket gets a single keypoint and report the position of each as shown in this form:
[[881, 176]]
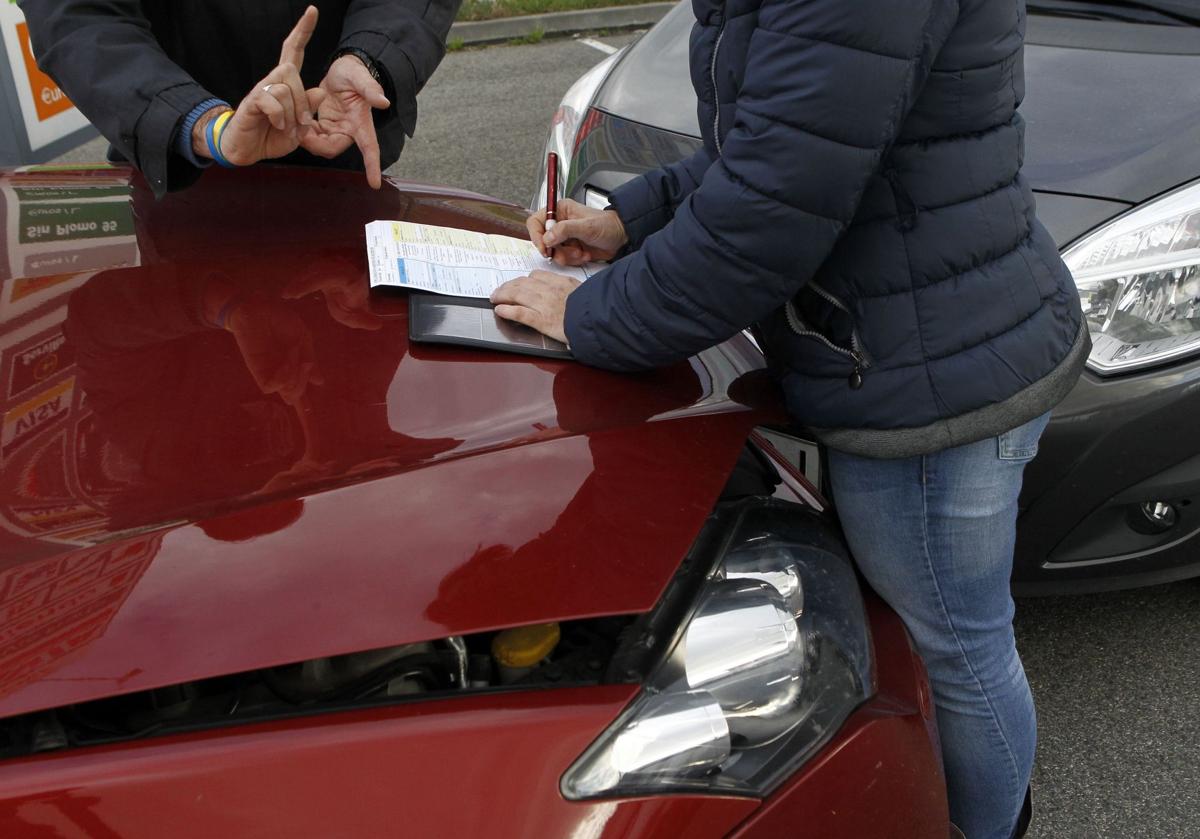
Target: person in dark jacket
[[859, 202], [153, 76]]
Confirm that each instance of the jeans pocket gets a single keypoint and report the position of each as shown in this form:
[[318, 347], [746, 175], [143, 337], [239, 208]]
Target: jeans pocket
[[1021, 443]]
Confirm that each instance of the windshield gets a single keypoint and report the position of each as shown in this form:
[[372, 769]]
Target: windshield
[[1163, 12]]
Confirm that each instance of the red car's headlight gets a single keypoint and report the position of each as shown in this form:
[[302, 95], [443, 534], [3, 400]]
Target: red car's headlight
[[772, 658]]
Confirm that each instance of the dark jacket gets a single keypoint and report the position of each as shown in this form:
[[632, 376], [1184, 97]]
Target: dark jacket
[[136, 69], [859, 199]]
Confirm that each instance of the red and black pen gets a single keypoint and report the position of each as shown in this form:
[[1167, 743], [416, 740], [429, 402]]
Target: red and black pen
[[551, 194]]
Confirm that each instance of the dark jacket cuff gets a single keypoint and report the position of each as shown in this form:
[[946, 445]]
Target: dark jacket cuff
[[640, 209], [580, 327], [153, 148], [400, 82]]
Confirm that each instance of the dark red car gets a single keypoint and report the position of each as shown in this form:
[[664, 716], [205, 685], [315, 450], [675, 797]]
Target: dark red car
[[267, 569]]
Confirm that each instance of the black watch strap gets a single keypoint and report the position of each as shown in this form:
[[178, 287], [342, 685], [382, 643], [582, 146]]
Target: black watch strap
[[362, 56]]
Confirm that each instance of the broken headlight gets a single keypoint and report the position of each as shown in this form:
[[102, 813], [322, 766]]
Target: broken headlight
[[772, 657]]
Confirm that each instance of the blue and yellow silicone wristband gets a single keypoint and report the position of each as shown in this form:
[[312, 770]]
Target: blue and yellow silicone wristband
[[212, 134]]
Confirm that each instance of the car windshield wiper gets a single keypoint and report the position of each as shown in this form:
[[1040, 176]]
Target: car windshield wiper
[[1162, 12]]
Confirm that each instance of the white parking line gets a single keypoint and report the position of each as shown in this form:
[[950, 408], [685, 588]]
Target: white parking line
[[598, 45]]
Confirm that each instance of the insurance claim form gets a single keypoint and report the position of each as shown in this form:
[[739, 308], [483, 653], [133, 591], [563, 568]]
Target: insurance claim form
[[447, 260]]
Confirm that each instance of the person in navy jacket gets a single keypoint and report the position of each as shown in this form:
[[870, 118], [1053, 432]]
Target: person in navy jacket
[[858, 202]]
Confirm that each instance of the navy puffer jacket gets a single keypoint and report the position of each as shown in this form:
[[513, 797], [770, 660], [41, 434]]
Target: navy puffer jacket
[[859, 200]]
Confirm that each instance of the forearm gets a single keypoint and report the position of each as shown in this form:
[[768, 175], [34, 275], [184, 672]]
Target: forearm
[[105, 57], [647, 203]]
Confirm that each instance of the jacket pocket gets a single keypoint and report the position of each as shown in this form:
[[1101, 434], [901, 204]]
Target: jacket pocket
[[855, 353]]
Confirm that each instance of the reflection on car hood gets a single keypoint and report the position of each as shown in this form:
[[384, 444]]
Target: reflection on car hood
[[221, 453], [1111, 109]]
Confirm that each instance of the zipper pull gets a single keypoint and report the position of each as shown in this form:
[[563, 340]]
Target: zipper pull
[[856, 378]]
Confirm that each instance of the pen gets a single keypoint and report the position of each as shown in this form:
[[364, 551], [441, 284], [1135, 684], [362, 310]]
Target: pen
[[551, 193]]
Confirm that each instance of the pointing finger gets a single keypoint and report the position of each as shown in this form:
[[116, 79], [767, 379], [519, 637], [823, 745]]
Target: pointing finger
[[297, 40], [368, 144], [567, 229]]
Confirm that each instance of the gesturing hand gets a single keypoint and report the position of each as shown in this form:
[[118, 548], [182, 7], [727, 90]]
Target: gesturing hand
[[580, 235], [350, 93], [275, 117], [539, 300]]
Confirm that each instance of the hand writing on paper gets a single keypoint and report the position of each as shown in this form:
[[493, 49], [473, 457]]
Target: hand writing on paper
[[581, 234]]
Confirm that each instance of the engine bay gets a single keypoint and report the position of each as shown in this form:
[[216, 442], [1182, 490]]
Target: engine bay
[[579, 654]]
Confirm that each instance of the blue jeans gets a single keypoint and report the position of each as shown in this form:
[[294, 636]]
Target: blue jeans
[[934, 536]]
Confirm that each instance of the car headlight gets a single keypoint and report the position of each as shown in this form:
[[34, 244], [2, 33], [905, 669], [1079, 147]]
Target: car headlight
[[772, 656], [1139, 280], [565, 127]]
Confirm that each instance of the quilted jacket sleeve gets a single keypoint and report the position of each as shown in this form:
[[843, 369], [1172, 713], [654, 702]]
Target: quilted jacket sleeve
[[825, 88], [105, 57], [646, 203]]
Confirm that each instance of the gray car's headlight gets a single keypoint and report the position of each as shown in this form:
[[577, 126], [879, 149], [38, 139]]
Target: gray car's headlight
[[1139, 280], [773, 655], [564, 128]]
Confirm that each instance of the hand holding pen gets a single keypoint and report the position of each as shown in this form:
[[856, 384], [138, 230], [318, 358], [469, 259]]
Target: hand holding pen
[[571, 233]]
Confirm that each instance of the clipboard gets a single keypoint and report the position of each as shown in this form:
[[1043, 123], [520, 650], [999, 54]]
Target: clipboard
[[471, 322]]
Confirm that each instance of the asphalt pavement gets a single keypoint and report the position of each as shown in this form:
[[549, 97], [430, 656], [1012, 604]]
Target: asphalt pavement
[[485, 114], [1115, 676]]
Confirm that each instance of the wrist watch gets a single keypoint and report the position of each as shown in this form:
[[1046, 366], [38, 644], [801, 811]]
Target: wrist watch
[[362, 56]]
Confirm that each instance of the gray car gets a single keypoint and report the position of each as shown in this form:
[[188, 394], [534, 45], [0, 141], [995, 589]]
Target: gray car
[[1113, 154]]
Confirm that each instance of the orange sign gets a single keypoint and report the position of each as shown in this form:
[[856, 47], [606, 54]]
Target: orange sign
[[48, 97]]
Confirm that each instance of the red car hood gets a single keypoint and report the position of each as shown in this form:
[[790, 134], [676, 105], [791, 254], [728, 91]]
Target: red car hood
[[219, 452]]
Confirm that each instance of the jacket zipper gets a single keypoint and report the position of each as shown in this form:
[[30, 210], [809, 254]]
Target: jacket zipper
[[712, 74], [798, 326], [855, 353]]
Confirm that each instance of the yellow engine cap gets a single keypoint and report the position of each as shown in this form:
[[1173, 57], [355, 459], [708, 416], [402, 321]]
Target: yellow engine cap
[[525, 646]]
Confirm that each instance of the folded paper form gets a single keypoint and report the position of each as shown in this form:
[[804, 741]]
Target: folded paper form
[[446, 260]]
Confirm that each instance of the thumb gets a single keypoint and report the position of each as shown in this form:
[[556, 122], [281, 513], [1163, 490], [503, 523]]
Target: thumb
[[316, 97], [372, 91]]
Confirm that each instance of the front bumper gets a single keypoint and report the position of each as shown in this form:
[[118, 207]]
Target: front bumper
[[480, 765], [1113, 445]]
